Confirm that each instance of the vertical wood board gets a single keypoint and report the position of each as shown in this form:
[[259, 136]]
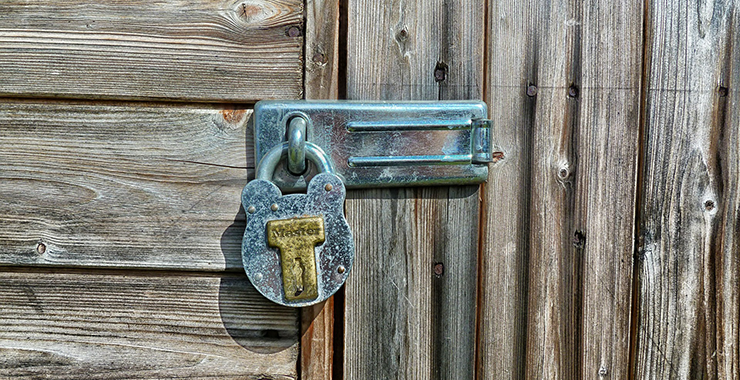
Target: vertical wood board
[[402, 320], [321, 82], [564, 86], [688, 214]]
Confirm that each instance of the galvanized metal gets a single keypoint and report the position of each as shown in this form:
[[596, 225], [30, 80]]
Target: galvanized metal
[[269, 162], [333, 257], [297, 145], [374, 144], [286, 255]]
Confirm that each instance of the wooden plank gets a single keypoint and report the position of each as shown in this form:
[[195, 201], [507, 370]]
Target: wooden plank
[[688, 214], [726, 247], [322, 49], [321, 82], [200, 50], [401, 320], [127, 325], [317, 341], [607, 154], [122, 185], [558, 231]]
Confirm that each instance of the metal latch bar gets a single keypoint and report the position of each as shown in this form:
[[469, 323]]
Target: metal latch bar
[[380, 143]]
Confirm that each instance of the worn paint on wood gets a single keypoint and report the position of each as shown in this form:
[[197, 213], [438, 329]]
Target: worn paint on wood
[[689, 212], [199, 50], [401, 320], [122, 185], [564, 86], [135, 325]]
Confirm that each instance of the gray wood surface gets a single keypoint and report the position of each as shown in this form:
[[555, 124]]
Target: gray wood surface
[[689, 213], [321, 82], [401, 320], [176, 50], [122, 185], [563, 90], [142, 325], [322, 49]]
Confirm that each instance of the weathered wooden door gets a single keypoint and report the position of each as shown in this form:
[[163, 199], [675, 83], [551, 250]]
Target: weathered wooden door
[[603, 245], [123, 150]]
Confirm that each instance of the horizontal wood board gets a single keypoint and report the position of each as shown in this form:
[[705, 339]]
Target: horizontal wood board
[[209, 51], [116, 325], [122, 185]]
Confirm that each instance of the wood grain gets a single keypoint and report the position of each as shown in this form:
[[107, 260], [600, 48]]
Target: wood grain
[[122, 185], [317, 340], [175, 50], [322, 49], [688, 215], [564, 86], [402, 321], [128, 325], [321, 82]]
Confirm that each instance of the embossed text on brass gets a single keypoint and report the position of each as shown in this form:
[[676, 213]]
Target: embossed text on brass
[[296, 239]]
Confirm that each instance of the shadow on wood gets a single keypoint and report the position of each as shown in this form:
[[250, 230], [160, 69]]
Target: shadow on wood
[[268, 337]]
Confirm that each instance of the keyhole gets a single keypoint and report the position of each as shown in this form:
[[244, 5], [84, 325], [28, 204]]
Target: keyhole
[[298, 276]]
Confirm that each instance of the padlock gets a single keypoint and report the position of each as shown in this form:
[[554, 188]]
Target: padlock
[[297, 248]]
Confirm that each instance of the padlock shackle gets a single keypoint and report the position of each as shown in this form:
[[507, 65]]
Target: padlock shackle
[[314, 153]]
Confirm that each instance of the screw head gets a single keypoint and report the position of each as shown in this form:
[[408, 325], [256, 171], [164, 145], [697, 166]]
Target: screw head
[[341, 269], [258, 277], [293, 31], [41, 248], [319, 58], [251, 209], [328, 187], [531, 90], [573, 91], [439, 269], [274, 207]]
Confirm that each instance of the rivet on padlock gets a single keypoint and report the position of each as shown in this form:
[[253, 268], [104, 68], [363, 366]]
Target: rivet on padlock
[[297, 248]]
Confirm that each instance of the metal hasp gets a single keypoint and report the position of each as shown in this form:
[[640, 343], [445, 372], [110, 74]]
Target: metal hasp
[[374, 144]]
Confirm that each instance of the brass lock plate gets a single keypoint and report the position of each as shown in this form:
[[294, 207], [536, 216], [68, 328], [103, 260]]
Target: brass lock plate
[[296, 239]]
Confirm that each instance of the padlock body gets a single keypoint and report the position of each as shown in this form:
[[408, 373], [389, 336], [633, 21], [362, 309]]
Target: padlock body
[[277, 258]]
